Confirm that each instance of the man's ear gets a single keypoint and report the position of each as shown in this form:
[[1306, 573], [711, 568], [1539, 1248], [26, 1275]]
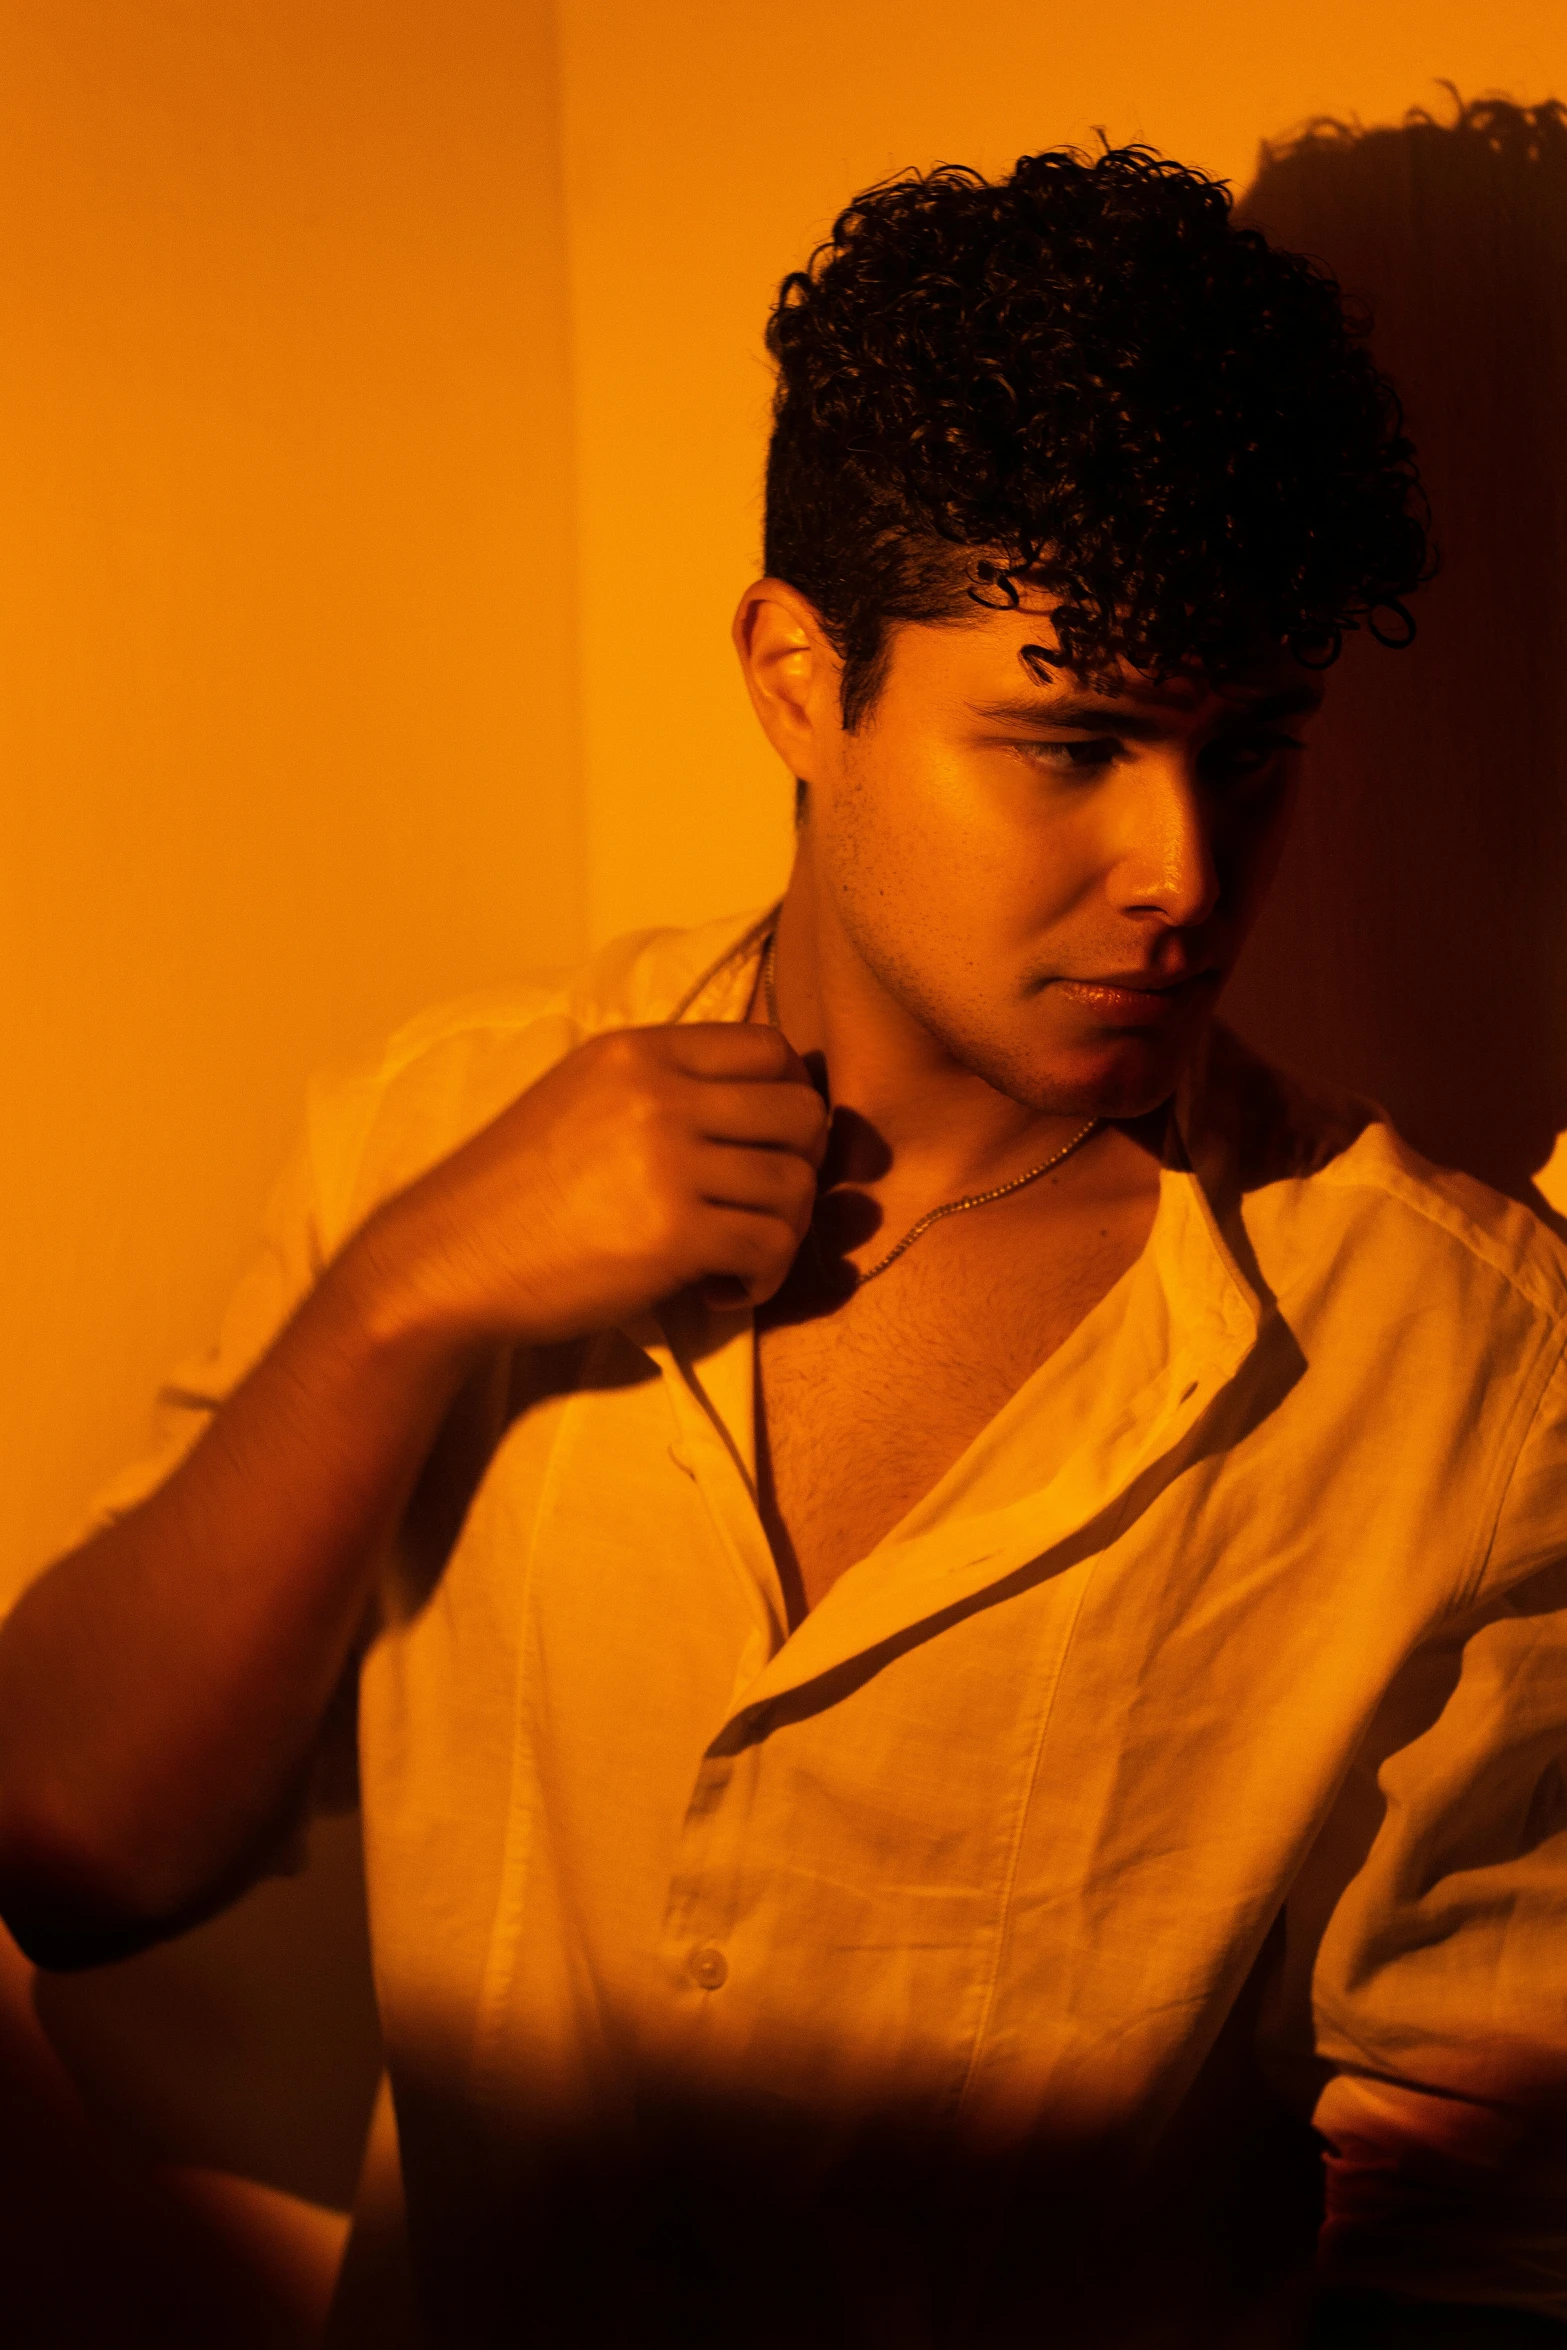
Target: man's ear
[[791, 672]]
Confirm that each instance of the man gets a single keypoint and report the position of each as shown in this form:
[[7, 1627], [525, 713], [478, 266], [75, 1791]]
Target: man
[[957, 1586]]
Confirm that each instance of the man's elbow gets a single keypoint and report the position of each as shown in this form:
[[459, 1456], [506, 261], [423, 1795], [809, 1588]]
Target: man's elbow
[[70, 1903]]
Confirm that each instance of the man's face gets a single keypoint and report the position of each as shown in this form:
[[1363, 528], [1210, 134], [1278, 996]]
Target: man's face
[[1054, 879]]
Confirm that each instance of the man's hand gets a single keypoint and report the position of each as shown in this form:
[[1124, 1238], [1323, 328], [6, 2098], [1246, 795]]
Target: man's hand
[[162, 1687], [647, 1161]]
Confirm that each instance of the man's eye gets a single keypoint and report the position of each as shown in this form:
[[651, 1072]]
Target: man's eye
[[1248, 755], [1074, 758]]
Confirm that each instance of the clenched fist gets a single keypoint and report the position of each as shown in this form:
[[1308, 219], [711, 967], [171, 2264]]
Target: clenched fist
[[648, 1160]]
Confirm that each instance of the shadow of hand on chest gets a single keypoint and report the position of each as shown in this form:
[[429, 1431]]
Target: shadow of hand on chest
[[824, 1277]]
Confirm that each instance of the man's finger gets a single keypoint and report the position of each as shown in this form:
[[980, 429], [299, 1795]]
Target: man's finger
[[755, 1249], [737, 1049], [787, 1116], [766, 1182]]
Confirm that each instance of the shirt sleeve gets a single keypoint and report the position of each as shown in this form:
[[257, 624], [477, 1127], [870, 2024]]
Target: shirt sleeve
[[280, 1275], [1426, 1947], [348, 1153], [288, 1260]]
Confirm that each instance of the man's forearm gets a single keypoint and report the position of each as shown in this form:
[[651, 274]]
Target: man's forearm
[[161, 1687]]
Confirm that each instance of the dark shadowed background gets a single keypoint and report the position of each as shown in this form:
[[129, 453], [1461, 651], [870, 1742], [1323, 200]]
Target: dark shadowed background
[[1415, 946]]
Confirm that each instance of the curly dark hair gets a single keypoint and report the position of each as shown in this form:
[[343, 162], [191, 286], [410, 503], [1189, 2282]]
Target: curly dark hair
[[1086, 374]]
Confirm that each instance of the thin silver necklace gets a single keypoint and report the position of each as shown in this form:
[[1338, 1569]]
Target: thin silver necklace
[[952, 1207]]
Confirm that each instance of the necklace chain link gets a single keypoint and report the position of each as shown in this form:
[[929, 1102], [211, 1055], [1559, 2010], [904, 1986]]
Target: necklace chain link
[[951, 1207]]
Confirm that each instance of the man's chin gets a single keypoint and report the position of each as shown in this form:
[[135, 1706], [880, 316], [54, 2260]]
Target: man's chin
[[1115, 1077]]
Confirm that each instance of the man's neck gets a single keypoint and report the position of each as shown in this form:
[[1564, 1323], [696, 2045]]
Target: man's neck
[[908, 1114]]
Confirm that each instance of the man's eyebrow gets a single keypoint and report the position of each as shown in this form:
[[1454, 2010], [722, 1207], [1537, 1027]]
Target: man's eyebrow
[[1092, 713]]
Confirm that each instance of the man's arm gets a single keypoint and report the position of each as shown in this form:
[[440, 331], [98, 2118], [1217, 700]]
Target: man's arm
[[1424, 1975], [161, 1688]]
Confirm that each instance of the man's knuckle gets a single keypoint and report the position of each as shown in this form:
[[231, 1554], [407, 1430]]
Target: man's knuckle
[[640, 1120], [623, 1055]]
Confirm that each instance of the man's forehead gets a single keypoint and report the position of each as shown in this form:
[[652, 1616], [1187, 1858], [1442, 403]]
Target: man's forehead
[[1272, 675], [1022, 678], [1022, 634], [1005, 662]]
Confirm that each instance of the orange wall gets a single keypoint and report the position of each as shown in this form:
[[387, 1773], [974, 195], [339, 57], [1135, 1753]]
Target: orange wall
[[288, 723], [706, 149], [310, 605]]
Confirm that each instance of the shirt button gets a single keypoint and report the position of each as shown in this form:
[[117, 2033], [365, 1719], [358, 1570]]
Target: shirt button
[[708, 1966]]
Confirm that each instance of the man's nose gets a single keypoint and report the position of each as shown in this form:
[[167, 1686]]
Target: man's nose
[[1166, 865]]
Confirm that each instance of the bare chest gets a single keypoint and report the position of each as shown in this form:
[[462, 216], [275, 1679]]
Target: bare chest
[[862, 1409]]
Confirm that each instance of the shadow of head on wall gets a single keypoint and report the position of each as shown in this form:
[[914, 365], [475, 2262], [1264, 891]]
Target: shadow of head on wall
[[1415, 947]]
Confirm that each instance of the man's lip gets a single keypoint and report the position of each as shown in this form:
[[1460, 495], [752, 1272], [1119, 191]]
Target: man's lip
[[1145, 995], [1139, 982]]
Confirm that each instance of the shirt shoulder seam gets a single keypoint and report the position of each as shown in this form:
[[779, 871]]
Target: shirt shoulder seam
[[1451, 1221]]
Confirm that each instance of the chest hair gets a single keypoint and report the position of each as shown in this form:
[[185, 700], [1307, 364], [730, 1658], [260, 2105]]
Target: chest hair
[[864, 1405]]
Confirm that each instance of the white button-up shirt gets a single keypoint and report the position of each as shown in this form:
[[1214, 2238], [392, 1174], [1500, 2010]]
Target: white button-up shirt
[[926, 1974]]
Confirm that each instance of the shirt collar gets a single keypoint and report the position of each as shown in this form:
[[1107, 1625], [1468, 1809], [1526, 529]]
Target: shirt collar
[[1217, 1291]]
